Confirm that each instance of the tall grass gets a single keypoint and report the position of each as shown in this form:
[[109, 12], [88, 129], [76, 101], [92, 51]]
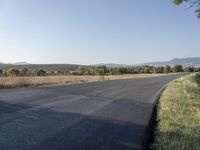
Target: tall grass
[[179, 116], [11, 82]]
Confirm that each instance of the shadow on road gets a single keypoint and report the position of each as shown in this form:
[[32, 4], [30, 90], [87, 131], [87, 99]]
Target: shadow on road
[[25, 127]]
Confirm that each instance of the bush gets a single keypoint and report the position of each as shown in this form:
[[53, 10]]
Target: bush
[[196, 78], [41, 72], [1, 72], [178, 68], [12, 72], [189, 69], [167, 69], [25, 72]]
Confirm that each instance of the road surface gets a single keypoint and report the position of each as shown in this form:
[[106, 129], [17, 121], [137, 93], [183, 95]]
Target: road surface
[[106, 115]]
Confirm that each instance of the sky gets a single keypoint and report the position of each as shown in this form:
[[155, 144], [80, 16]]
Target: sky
[[96, 31]]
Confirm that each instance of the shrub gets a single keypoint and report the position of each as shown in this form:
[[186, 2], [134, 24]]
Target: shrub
[[1, 72], [41, 72], [167, 69], [196, 78], [25, 72], [178, 68], [189, 69], [12, 72]]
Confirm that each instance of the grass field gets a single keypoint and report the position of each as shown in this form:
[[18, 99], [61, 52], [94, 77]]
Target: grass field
[[178, 116], [12, 82]]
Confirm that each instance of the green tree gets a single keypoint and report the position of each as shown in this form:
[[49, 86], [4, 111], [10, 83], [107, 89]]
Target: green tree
[[189, 69], [81, 70], [51, 73], [122, 70], [66, 72], [192, 3], [99, 70], [1, 72], [197, 69], [147, 69], [33, 72], [25, 72], [104, 68], [167, 69], [158, 69], [41, 72], [113, 71], [12, 72], [178, 68]]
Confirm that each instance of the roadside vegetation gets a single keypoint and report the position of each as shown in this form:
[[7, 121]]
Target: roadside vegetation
[[93, 71], [178, 116], [27, 76], [12, 82]]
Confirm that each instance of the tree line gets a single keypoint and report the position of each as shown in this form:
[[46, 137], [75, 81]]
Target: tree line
[[98, 70], [103, 70]]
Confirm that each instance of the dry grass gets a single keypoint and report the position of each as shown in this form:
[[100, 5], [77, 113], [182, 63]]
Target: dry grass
[[12, 82], [179, 116]]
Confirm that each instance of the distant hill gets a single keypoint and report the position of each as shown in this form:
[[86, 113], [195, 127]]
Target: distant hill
[[21, 63], [3, 66], [112, 65], [48, 67], [190, 61]]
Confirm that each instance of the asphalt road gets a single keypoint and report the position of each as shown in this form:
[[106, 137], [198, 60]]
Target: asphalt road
[[106, 115]]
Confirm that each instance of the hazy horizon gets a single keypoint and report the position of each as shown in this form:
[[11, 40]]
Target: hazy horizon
[[94, 32], [94, 64]]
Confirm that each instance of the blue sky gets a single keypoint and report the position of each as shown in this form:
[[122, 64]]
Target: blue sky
[[96, 31]]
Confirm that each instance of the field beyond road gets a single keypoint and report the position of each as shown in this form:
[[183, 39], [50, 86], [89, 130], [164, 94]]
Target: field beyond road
[[12, 82], [178, 116]]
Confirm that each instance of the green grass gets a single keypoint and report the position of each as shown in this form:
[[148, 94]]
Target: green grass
[[178, 116]]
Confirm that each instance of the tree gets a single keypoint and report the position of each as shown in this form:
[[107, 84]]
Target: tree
[[12, 72], [122, 70], [1, 72], [66, 72], [81, 70], [192, 3], [158, 69], [99, 70], [167, 69], [178, 68], [147, 69], [25, 72], [197, 69], [189, 69], [41, 72]]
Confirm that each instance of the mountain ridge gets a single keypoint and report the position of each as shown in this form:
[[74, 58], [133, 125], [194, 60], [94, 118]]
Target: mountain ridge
[[185, 62]]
